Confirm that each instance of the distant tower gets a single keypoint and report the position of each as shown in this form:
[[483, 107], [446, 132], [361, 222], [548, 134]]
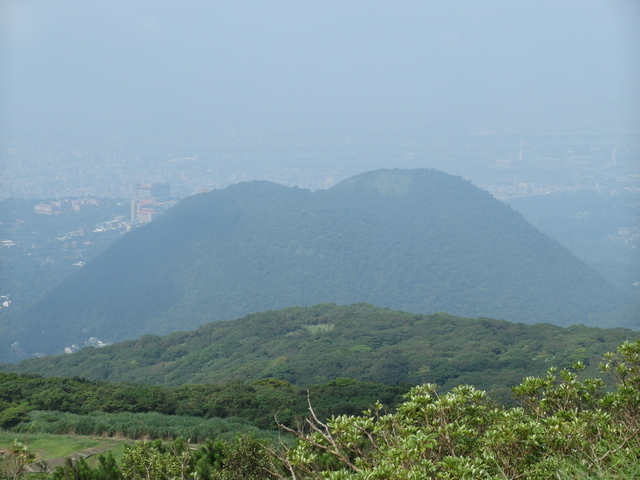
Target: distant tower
[[612, 162], [520, 154]]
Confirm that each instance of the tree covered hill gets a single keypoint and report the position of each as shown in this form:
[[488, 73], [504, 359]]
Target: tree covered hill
[[307, 345], [417, 240]]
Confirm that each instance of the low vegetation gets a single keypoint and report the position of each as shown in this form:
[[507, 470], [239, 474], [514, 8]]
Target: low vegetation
[[34, 404], [140, 426], [562, 427]]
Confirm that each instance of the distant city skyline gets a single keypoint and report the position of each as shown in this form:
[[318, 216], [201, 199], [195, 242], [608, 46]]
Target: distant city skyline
[[500, 164]]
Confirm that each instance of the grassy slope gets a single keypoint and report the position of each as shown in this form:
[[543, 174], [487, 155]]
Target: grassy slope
[[47, 446]]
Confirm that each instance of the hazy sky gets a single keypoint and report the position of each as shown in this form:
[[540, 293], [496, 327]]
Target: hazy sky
[[364, 66]]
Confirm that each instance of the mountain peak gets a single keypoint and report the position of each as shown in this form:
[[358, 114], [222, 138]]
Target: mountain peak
[[416, 240]]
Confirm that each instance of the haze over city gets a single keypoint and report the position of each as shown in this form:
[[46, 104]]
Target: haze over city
[[152, 79], [523, 99]]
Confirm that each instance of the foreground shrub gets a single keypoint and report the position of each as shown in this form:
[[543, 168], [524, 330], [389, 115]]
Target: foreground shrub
[[563, 428], [245, 458]]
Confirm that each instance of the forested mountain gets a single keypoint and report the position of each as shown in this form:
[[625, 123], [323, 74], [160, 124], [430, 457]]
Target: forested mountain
[[417, 240], [601, 229], [306, 345]]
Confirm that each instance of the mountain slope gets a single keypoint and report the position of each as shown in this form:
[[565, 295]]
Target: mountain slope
[[416, 240], [602, 230], [308, 345]]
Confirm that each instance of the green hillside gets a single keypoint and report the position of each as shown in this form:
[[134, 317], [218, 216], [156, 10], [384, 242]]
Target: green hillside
[[320, 343], [416, 240]]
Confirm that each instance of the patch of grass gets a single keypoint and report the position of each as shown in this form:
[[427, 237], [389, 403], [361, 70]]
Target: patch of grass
[[321, 328], [48, 446]]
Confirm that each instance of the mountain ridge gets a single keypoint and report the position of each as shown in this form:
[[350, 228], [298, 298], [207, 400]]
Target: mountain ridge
[[414, 240]]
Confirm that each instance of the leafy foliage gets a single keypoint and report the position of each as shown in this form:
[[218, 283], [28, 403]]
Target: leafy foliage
[[14, 461], [565, 428], [245, 458]]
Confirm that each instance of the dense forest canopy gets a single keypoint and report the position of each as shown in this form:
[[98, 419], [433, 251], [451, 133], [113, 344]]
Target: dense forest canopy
[[417, 240], [308, 345]]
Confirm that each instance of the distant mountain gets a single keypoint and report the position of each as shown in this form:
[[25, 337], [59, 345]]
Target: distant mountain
[[603, 230], [306, 345], [416, 240]]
